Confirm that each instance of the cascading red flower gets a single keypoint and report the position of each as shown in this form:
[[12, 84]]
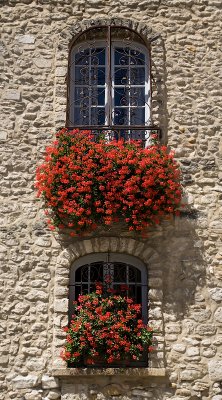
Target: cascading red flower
[[107, 326], [86, 183]]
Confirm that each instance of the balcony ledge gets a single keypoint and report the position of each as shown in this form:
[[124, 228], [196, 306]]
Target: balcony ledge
[[83, 372]]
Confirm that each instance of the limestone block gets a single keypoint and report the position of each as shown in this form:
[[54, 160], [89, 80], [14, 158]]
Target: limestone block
[[201, 315], [34, 395], [43, 62], [43, 242], [61, 71], [143, 393], [155, 294], [218, 315], [25, 382], [3, 136], [190, 374], [35, 294], [216, 294], [12, 94], [49, 382], [206, 329], [155, 282], [215, 370], [54, 395], [193, 351], [61, 305], [173, 329], [26, 39], [209, 352], [180, 348], [88, 246], [35, 364]]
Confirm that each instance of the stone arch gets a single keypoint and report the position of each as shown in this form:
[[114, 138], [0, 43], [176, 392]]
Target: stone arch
[[148, 255], [104, 244], [69, 32]]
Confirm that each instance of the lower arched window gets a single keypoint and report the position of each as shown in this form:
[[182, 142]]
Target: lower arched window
[[119, 273]]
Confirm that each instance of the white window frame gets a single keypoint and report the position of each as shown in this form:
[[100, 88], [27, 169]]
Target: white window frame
[[109, 85]]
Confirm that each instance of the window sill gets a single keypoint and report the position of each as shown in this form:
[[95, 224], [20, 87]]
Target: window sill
[[68, 372]]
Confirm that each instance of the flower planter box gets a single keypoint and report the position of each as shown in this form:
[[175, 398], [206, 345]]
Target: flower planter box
[[86, 184]]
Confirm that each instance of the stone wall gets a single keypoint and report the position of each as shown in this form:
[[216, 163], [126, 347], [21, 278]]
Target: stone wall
[[183, 256]]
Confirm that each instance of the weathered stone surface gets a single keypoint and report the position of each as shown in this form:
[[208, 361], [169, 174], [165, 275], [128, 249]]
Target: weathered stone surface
[[216, 294], [3, 135], [49, 382], [215, 370], [26, 39], [11, 94], [23, 382], [218, 315], [191, 374], [43, 63], [34, 395], [182, 256], [54, 395]]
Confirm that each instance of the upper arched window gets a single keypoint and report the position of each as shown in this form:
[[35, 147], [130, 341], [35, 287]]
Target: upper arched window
[[109, 81]]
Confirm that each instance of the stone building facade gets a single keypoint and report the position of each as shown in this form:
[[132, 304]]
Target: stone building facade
[[183, 256]]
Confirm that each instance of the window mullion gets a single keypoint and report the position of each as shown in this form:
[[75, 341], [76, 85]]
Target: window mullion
[[90, 87], [109, 88]]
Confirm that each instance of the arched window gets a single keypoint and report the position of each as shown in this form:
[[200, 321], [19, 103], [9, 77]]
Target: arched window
[[109, 82], [127, 275]]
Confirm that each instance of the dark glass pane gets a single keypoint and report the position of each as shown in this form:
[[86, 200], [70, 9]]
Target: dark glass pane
[[82, 95], [121, 116], [134, 274], [137, 58], [98, 96], [98, 116], [135, 293], [81, 115], [121, 97], [85, 289], [120, 134], [121, 56], [138, 294], [78, 275], [96, 272], [82, 57], [137, 76], [98, 56], [121, 76], [137, 97], [120, 272], [82, 75], [85, 273], [77, 292], [137, 134], [137, 116], [97, 75]]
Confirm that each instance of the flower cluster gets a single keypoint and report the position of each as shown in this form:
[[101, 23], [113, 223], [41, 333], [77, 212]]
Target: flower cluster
[[86, 183], [107, 326]]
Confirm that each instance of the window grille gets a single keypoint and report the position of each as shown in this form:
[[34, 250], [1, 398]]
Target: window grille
[[109, 83]]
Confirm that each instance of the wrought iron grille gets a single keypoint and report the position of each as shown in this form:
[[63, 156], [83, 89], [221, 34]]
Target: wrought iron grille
[[109, 83], [117, 276]]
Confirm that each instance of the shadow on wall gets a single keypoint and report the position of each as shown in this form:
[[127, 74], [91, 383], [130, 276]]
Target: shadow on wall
[[184, 272]]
